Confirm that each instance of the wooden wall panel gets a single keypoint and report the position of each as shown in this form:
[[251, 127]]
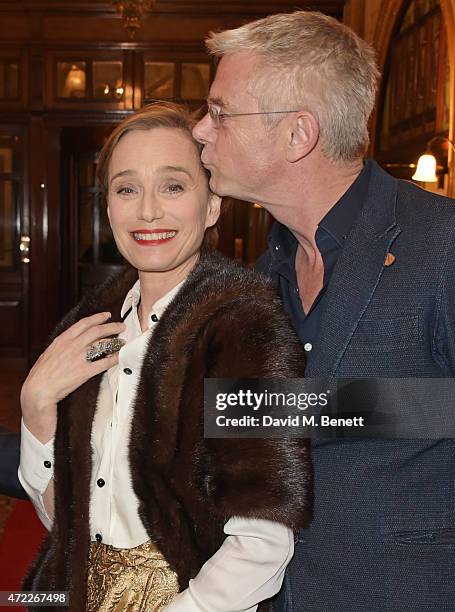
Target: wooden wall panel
[[83, 27], [14, 27], [244, 7], [58, 28], [12, 330]]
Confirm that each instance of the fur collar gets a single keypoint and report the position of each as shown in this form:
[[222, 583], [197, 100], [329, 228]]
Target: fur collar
[[187, 486]]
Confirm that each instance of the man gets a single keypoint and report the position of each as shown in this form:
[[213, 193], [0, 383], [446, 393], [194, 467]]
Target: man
[[9, 463], [365, 267]]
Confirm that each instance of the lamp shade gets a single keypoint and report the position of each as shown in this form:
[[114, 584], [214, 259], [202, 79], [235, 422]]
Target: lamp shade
[[75, 82], [426, 169]]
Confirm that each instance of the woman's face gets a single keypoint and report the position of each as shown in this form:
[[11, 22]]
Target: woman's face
[[159, 204]]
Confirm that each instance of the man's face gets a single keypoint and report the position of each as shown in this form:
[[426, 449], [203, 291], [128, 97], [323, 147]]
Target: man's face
[[240, 152]]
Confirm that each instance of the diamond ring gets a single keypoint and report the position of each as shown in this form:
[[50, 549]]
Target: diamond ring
[[103, 348]]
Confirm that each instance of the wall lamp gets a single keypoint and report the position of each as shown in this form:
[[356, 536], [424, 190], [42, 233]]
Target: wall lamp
[[426, 166]]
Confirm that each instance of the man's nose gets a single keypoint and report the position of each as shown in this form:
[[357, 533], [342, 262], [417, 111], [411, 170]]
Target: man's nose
[[203, 130], [149, 208]]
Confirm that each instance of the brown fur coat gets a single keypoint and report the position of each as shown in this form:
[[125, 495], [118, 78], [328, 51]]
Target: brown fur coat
[[225, 322]]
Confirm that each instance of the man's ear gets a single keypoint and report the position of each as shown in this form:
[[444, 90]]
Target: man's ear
[[303, 136], [213, 209]]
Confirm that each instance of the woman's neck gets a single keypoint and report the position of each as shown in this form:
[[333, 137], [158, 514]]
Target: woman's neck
[[155, 285]]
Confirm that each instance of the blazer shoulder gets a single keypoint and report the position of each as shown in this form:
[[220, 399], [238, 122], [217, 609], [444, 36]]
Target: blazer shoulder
[[433, 205], [425, 216]]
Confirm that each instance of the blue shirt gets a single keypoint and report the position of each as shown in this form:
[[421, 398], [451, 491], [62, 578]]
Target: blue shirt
[[279, 261]]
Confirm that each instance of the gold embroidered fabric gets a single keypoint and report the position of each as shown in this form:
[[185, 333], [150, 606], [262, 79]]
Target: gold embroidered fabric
[[129, 580]]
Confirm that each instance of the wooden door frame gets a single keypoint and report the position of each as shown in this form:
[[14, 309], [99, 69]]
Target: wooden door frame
[[14, 291]]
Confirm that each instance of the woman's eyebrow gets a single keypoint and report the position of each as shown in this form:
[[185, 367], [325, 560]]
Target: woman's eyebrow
[[175, 169], [160, 169], [122, 173]]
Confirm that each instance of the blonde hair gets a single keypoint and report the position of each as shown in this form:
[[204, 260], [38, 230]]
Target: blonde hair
[[155, 115], [309, 61]]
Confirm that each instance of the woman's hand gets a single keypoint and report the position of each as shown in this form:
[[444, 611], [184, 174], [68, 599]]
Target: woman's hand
[[61, 369]]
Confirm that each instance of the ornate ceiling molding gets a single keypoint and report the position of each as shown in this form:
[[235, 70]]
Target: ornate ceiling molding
[[228, 7], [131, 12]]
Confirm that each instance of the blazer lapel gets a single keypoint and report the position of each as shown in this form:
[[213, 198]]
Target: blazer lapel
[[356, 274]]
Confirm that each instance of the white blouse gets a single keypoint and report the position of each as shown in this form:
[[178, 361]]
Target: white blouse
[[248, 567]]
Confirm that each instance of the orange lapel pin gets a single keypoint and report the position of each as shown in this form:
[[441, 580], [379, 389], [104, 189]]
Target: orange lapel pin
[[390, 258]]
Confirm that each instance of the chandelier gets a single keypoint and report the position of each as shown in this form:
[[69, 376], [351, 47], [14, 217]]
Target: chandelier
[[131, 12]]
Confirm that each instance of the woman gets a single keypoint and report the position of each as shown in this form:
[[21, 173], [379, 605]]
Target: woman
[[148, 514]]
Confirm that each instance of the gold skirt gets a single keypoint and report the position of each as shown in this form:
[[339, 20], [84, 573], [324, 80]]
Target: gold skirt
[[133, 580]]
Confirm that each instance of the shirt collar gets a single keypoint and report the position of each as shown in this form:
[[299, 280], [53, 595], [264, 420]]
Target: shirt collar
[[132, 298], [134, 295], [338, 222], [341, 217]]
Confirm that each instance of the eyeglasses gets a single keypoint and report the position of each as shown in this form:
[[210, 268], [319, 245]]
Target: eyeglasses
[[217, 116]]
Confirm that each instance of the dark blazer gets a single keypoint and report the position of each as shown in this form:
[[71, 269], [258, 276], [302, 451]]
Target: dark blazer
[[9, 464], [383, 534], [226, 322]]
